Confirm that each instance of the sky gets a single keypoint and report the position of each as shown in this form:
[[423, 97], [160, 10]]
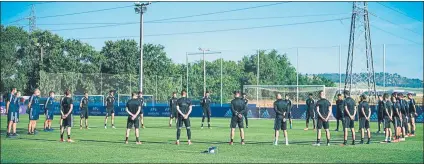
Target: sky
[[312, 34]]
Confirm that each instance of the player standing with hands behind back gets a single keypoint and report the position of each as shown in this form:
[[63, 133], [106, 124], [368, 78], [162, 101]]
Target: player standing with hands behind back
[[133, 109], [350, 112], [364, 118], [238, 108], [173, 108], [280, 108], [67, 107], [110, 111], [34, 111], [206, 106], [310, 113], [323, 108], [184, 109]]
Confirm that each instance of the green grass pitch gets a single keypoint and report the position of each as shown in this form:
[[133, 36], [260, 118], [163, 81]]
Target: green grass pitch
[[107, 145]]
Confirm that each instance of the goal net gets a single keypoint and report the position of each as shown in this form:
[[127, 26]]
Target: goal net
[[264, 96], [124, 98]]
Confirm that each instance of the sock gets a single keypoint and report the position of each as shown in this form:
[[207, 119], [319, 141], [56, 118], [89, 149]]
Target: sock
[[318, 140], [362, 139], [69, 137], [242, 140], [287, 139], [209, 124], [105, 125], [189, 133], [126, 138], [337, 124], [61, 136], [178, 134], [113, 125], [369, 139], [232, 140], [328, 141], [136, 139], [142, 125], [413, 131], [344, 141]]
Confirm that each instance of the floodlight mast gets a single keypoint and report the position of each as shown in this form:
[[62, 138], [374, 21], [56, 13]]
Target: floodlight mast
[[141, 8]]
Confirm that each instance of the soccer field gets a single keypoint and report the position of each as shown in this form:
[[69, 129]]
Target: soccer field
[[107, 145]]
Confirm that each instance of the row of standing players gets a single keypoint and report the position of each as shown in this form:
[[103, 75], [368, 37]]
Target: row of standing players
[[396, 110]]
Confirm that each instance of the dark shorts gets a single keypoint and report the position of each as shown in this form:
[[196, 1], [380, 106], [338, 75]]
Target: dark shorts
[[110, 111], [173, 113], [133, 123], [310, 115], [236, 121], [141, 111], [321, 124], [404, 121], [207, 112], [396, 122], [339, 116], [34, 114], [349, 123], [289, 114], [67, 122], [13, 116], [380, 117], [364, 123], [182, 121], [49, 114], [84, 113], [386, 122], [280, 124]]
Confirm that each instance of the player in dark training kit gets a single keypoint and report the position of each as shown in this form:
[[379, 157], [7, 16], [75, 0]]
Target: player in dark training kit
[[33, 111], [388, 117], [184, 109], [84, 110], [364, 118], [238, 108], [289, 111], [173, 108], [323, 107], [340, 111], [67, 107], [206, 106], [310, 112], [49, 112], [110, 109], [380, 112], [404, 117], [280, 123], [349, 115], [133, 109], [7, 98], [141, 101], [246, 101], [396, 118], [412, 113], [12, 110]]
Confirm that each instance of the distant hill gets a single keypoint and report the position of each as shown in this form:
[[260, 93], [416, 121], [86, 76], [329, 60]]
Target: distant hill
[[392, 80]]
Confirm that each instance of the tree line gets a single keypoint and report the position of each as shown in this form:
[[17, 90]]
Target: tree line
[[75, 65]]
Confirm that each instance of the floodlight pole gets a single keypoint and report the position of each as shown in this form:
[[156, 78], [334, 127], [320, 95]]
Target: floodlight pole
[[141, 8], [297, 78], [187, 73], [221, 80]]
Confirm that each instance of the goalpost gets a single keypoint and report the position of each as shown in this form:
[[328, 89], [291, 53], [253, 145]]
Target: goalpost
[[264, 95]]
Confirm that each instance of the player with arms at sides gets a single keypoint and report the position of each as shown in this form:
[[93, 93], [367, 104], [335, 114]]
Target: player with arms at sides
[[364, 118], [12, 110], [310, 113], [34, 111], [340, 111], [133, 109], [350, 112], [141, 100], [8, 98], [184, 109], [66, 112], [246, 101], [404, 111], [84, 110], [49, 112], [173, 108], [110, 109], [388, 117], [412, 113], [280, 123], [206, 106], [396, 118], [323, 107], [238, 108], [289, 110], [380, 113]]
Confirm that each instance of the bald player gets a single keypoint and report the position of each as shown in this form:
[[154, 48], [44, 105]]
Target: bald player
[[238, 108]]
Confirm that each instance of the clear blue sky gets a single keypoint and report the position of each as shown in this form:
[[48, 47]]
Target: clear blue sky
[[402, 56]]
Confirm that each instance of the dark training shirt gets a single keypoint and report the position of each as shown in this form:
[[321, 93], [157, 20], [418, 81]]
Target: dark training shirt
[[184, 104], [110, 101], [365, 105], [66, 104], [280, 107], [323, 105], [350, 103], [238, 106], [310, 105], [173, 103], [133, 105]]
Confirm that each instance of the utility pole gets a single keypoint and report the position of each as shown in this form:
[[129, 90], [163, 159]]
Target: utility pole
[[31, 18], [141, 8]]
